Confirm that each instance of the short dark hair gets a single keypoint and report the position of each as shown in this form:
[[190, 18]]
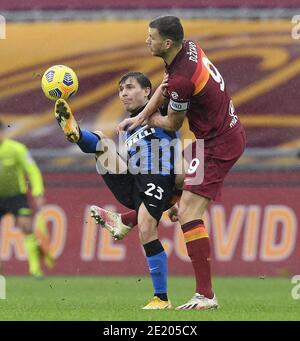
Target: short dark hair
[[169, 27], [139, 77]]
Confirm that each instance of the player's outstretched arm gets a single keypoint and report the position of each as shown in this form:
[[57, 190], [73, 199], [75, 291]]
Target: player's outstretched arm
[[172, 122]]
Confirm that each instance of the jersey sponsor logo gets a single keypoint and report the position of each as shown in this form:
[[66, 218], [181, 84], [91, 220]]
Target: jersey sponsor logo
[[176, 106], [139, 135], [193, 53]]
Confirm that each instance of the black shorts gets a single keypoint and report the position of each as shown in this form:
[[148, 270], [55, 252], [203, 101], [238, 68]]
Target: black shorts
[[17, 205], [154, 190]]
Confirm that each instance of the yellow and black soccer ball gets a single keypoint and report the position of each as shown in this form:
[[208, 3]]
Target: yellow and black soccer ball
[[59, 81]]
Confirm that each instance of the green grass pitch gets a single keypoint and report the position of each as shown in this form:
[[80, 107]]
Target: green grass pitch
[[120, 299]]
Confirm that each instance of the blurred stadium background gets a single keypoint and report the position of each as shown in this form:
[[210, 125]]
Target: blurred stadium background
[[254, 229]]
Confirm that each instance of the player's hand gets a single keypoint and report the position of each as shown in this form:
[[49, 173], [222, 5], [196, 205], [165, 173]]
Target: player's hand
[[132, 122], [123, 125], [39, 202], [173, 213]]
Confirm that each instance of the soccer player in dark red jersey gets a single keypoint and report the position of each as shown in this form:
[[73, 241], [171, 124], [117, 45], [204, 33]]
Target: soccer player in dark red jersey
[[196, 90]]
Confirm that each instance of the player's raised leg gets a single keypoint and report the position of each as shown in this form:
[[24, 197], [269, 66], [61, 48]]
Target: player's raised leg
[[113, 221], [89, 142], [66, 120]]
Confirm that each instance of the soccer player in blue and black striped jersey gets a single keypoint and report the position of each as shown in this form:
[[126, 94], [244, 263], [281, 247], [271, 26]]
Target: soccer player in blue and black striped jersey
[[147, 186]]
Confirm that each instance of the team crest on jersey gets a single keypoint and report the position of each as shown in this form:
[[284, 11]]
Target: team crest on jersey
[[174, 95]]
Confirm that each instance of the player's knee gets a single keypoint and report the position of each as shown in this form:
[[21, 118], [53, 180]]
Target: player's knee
[[147, 238], [25, 224], [146, 235], [147, 225], [26, 229], [182, 212]]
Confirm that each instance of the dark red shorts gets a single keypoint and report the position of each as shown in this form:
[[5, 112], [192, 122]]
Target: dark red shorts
[[218, 160]]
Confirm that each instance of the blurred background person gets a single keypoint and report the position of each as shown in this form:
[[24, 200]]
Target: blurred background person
[[16, 165]]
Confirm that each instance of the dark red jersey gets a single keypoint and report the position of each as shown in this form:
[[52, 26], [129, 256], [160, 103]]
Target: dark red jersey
[[195, 85]]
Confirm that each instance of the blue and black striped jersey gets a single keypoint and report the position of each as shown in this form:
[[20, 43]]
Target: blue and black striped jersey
[[151, 150]]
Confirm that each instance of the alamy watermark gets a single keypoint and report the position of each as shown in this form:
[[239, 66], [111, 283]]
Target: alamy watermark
[[2, 27], [136, 155], [296, 29], [296, 289], [2, 288]]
